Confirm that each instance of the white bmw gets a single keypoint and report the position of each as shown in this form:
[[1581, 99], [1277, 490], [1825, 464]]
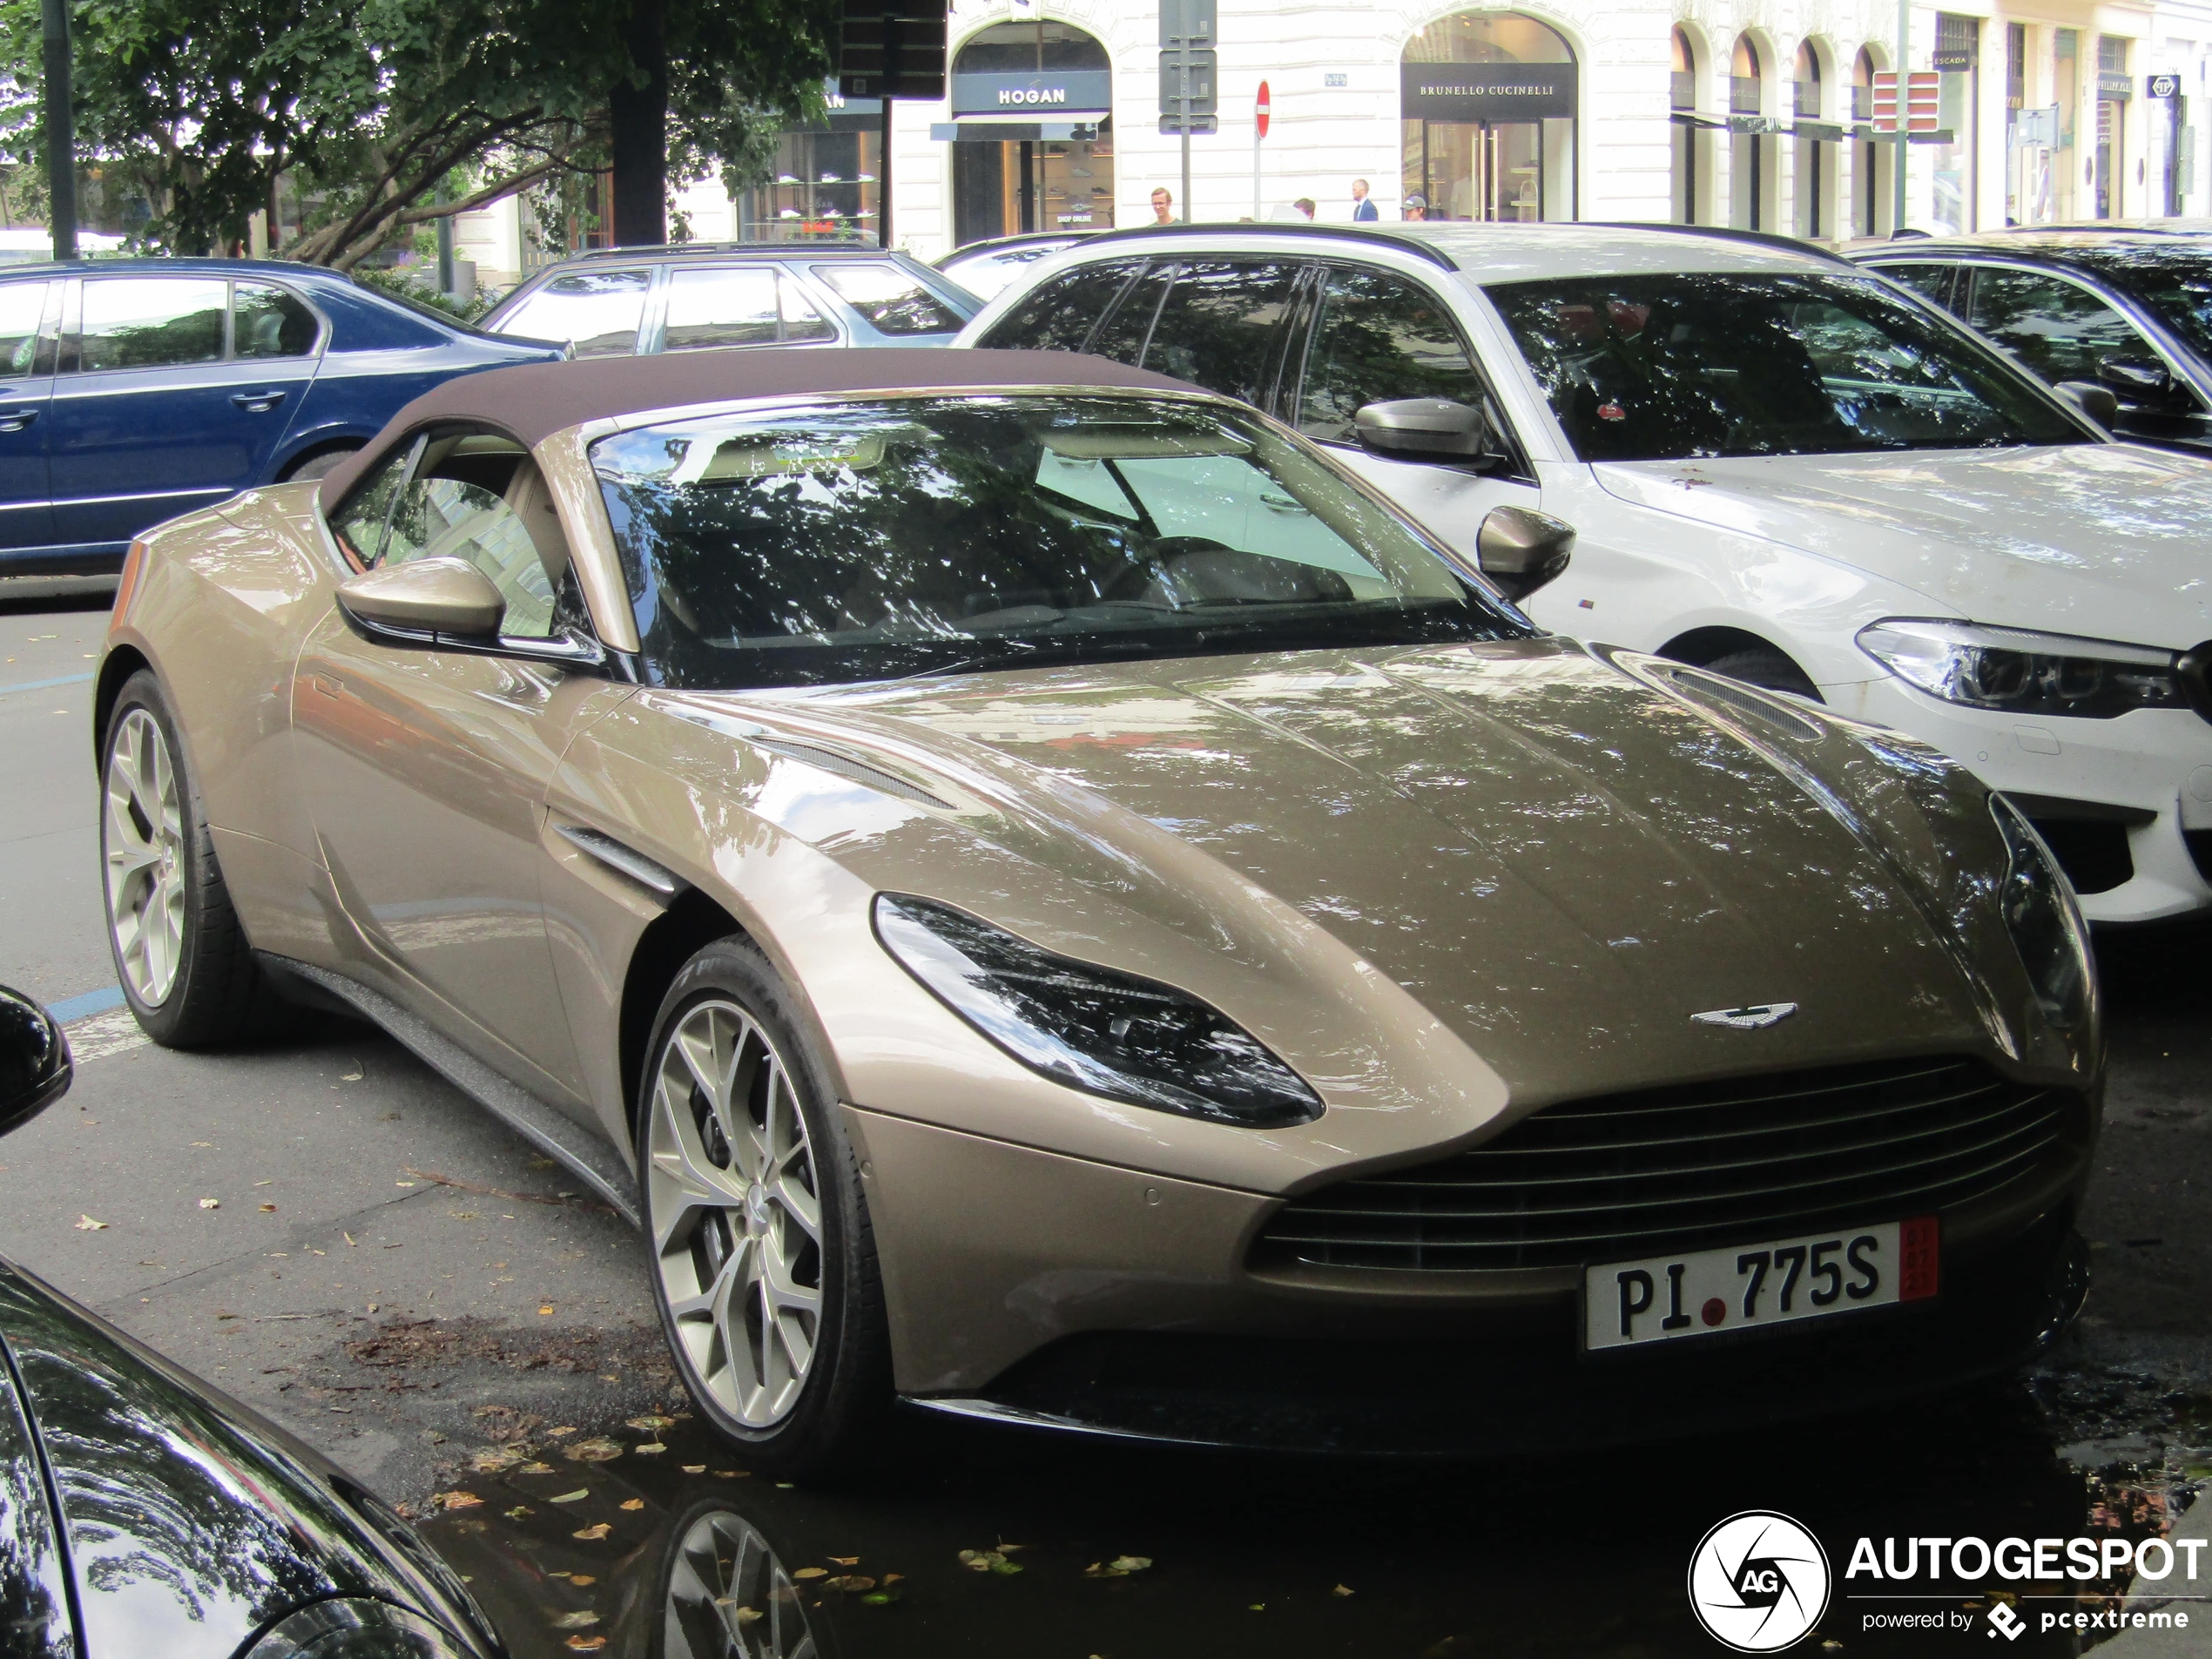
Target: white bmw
[[1774, 463]]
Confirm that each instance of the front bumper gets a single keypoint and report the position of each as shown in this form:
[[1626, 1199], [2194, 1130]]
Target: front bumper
[[2127, 803], [1031, 1286]]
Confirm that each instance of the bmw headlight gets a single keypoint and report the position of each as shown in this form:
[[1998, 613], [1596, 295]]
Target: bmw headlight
[[2024, 673], [355, 1627], [2045, 922], [1094, 1028]]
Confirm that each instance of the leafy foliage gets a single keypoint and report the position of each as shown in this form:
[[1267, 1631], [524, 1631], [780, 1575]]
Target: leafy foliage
[[371, 104]]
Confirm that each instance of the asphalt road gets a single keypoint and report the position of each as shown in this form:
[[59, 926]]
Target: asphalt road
[[395, 1276]]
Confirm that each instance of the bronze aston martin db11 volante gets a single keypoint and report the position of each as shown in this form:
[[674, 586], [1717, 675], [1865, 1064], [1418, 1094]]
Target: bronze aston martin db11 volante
[[1047, 898]]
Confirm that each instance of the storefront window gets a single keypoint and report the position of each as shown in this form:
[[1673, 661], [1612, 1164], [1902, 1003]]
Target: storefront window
[[1958, 58], [1751, 164], [2106, 179], [823, 186], [1032, 135], [1691, 146], [1488, 105], [1870, 161], [1813, 214]]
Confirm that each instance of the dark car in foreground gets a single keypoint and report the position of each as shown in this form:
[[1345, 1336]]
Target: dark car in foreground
[[142, 1513], [640, 301], [138, 389], [2126, 310]]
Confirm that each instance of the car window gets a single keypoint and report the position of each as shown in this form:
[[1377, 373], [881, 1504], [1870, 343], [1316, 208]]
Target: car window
[[2056, 328], [1380, 338], [710, 308], [359, 522], [268, 322], [1060, 312], [1122, 335], [22, 310], [893, 301], [1737, 363], [1931, 282], [1221, 324], [447, 516], [871, 541], [802, 319], [597, 312], [151, 322]]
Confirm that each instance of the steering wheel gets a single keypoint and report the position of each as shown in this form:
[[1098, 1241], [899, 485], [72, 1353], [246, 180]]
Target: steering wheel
[[1155, 566]]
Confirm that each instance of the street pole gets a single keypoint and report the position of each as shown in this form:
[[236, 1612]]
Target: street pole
[[1182, 103], [1904, 124], [61, 131]]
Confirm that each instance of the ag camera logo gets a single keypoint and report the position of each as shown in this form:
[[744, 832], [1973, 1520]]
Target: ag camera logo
[[1758, 1582]]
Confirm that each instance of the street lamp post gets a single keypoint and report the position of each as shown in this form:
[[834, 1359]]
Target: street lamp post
[[61, 131]]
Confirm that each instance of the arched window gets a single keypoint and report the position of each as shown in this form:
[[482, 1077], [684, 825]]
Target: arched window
[[1867, 157], [1815, 156], [1054, 82], [1692, 164], [1492, 135], [1750, 161]]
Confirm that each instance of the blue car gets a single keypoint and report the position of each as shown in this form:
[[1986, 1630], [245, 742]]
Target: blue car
[[134, 390]]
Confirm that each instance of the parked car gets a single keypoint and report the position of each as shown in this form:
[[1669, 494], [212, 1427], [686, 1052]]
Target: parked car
[[2023, 594], [138, 389], [697, 297], [142, 1511], [1045, 896], [984, 267], [2128, 311]]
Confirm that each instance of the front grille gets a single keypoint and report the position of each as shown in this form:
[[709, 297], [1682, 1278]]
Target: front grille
[[1687, 1167]]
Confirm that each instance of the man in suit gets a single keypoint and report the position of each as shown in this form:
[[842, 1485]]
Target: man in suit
[[1362, 209]]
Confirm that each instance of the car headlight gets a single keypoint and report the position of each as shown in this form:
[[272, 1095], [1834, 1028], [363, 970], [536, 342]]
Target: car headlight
[[2021, 672], [1094, 1028], [2045, 922], [355, 1627]]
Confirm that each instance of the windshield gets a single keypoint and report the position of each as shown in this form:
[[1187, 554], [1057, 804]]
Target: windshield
[[1734, 363], [874, 540], [2175, 282]]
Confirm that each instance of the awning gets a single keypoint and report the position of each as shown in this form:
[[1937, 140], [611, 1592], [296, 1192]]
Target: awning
[[1009, 132]]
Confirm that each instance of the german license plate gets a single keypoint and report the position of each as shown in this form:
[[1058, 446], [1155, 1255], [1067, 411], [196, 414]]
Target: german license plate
[[1705, 1292]]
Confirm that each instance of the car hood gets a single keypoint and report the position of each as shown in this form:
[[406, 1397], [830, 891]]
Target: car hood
[[1559, 863], [2108, 541], [192, 1522]]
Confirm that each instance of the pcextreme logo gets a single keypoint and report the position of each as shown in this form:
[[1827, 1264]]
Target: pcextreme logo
[[1758, 1582]]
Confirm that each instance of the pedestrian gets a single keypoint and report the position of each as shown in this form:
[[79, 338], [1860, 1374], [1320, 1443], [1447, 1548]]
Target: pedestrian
[[1416, 209], [1363, 210], [1305, 205], [1163, 207]]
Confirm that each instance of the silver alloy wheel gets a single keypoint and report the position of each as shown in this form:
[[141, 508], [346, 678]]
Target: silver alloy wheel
[[737, 1212], [729, 1595], [142, 835]]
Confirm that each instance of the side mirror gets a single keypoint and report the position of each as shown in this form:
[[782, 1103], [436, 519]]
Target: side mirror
[[434, 596], [1521, 550], [34, 1067], [2095, 401], [2135, 378], [1424, 429]]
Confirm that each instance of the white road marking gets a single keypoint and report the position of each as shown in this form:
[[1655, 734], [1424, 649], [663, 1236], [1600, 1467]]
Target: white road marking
[[98, 1035]]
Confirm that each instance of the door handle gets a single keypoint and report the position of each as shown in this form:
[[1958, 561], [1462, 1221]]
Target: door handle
[[16, 420], [257, 403]]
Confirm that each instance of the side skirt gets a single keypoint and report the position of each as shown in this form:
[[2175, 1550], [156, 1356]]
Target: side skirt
[[591, 1159]]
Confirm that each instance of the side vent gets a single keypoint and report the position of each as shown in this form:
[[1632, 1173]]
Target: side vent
[[621, 860]]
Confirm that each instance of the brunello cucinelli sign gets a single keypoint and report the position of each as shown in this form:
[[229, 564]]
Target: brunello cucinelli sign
[[1087, 91], [1492, 91]]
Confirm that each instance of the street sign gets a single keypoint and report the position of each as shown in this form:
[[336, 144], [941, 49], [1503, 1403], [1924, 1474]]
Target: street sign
[[1261, 108], [1202, 65], [1188, 63], [2162, 86], [892, 48], [1182, 21]]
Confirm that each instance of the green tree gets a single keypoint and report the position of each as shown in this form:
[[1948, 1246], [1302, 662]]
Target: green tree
[[369, 104]]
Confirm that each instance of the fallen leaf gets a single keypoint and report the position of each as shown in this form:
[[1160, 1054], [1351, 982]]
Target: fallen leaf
[[734, 1474], [352, 1076], [986, 1560], [211, 1204], [87, 1225], [650, 1424], [580, 1493], [695, 1468], [490, 1460], [1257, 1607], [649, 1448], [566, 1428], [582, 1579], [633, 1503], [592, 1533], [268, 1208], [518, 1512], [1341, 1589], [264, 1184], [844, 1560], [853, 1583], [455, 1500], [1132, 1563], [594, 1451], [403, 1184], [587, 1644], [747, 1614], [892, 1578], [812, 1572], [881, 1598], [548, 1308], [583, 1619], [534, 1469]]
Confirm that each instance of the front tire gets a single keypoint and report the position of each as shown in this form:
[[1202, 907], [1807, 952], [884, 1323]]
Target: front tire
[[180, 955], [762, 1265]]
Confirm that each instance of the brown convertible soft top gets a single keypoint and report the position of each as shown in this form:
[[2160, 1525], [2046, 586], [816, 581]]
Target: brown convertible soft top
[[534, 401]]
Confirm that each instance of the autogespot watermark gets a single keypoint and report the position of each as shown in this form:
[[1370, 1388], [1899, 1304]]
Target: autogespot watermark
[[1760, 1582]]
